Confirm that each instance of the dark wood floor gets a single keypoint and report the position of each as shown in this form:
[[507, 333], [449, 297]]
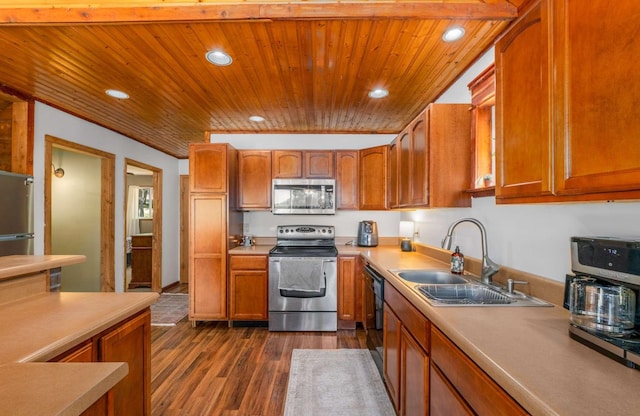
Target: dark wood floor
[[216, 370]]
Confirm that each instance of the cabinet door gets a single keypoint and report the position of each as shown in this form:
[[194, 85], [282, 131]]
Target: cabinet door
[[373, 178], [444, 400], [394, 179], [254, 179], [318, 164], [420, 162], [404, 169], [347, 179], [391, 354], [414, 377], [523, 132], [208, 167], [249, 295], [286, 163], [208, 264], [84, 353], [131, 343], [597, 128], [347, 288]]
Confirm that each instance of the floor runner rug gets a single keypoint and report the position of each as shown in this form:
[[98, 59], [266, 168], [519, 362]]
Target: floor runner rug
[[335, 382], [169, 309]]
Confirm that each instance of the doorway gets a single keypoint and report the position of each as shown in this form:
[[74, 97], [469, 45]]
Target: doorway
[[73, 227], [143, 227]]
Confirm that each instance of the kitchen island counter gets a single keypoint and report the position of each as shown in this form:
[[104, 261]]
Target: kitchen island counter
[[16, 265]]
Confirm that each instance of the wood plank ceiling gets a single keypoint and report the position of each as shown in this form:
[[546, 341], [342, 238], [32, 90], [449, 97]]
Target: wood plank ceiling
[[304, 67]]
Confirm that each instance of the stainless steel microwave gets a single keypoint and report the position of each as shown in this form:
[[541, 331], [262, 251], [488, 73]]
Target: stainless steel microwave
[[303, 196]]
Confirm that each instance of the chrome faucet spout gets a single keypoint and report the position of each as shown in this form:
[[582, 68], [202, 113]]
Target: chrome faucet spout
[[489, 267]]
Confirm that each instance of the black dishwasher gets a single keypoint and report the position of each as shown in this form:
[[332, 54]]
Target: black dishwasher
[[374, 298]]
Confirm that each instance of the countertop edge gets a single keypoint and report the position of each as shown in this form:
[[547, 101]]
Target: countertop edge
[[17, 265]]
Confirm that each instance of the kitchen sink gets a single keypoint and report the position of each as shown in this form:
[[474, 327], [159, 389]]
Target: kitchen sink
[[474, 294], [432, 277]]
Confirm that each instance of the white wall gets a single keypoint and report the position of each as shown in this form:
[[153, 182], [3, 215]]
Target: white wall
[[65, 126], [529, 237], [302, 141]]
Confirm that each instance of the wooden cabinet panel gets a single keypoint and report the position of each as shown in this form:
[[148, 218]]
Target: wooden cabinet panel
[[131, 343], [318, 164], [417, 324], [208, 253], [208, 168], [373, 178], [433, 159], [141, 260], [248, 288], [420, 162], [394, 179], [597, 144], [347, 179], [347, 288], [414, 377], [254, 179], [287, 163], [83, 353], [444, 399], [523, 134], [404, 169], [473, 384], [391, 354]]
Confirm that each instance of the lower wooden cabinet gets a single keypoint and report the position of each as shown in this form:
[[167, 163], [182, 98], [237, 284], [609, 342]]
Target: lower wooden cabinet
[[248, 287], [406, 354], [445, 400], [471, 385], [130, 342], [347, 288]]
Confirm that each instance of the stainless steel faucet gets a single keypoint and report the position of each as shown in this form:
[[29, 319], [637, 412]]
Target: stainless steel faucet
[[489, 267]]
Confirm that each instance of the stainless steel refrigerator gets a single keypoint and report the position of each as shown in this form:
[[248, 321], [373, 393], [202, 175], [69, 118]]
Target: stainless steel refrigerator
[[16, 214]]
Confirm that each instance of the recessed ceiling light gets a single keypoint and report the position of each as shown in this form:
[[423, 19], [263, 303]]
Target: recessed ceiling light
[[257, 119], [378, 93], [219, 58], [452, 34], [121, 95]]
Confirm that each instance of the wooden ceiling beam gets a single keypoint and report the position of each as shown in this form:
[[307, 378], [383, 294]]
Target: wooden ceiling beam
[[24, 14]]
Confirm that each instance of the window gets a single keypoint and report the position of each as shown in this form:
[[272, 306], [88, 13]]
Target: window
[[483, 130], [145, 202]]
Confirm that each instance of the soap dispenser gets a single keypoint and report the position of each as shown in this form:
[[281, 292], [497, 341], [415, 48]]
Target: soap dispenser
[[457, 261]]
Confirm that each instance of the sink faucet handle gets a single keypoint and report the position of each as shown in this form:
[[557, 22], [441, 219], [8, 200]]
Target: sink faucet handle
[[511, 283]]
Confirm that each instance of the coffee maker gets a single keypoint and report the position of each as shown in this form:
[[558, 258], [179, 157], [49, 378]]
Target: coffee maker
[[603, 296]]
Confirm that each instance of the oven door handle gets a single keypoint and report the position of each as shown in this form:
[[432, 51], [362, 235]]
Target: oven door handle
[[277, 260]]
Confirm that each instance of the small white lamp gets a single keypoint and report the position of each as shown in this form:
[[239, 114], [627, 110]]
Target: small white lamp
[[406, 232]]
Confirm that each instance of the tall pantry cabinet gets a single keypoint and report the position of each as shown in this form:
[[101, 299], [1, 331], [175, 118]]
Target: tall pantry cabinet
[[215, 225]]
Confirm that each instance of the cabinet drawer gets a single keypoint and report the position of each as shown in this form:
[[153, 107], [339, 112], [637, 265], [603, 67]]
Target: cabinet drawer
[[249, 262], [411, 318], [473, 384]]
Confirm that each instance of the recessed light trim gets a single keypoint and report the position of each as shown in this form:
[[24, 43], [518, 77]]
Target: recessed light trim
[[120, 95], [378, 93], [452, 34], [257, 119], [219, 58]]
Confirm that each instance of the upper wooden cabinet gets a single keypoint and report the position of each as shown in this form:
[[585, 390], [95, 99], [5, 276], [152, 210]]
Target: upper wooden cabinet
[[597, 111], [433, 157], [373, 177], [254, 179], [347, 179], [567, 105], [302, 164], [318, 164], [209, 167], [523, 123], [287, 163], [393, 176]]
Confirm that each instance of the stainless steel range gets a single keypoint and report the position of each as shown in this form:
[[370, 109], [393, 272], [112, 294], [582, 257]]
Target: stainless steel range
[[303, 274]]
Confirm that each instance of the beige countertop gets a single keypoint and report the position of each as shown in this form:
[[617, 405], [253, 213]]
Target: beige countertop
[[39, 328], [526, 350], [11, 266]]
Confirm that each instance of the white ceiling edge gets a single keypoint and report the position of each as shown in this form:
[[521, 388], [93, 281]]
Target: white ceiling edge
[[302, 141]]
